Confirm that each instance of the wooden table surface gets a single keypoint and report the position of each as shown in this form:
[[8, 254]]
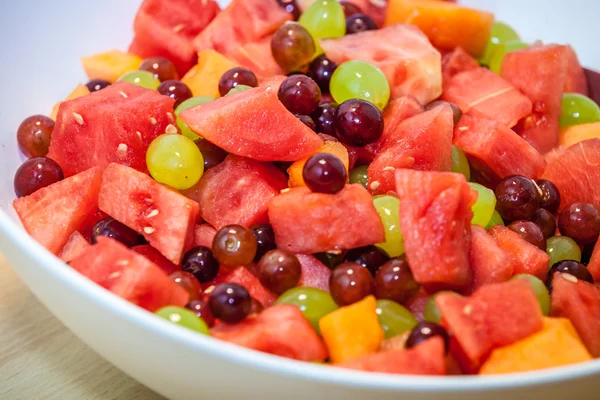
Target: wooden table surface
[[41, 359]]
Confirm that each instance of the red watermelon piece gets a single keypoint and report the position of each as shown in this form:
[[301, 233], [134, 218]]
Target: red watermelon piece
[[166, 218], [422, 142], [576, 173], [257, 57], [204, 235], [481, 93], [489, 262], [314, 272], [593, 82], [129, 275], [435, 220], [280, 330], [404, 54], [540, 72], [579, 301], [154, 255], [417, 303], [495, 151], [243, 277], [594, 264], [455, 62], [525, 257], [166, 28], [253, 124], [494, 316], [427, 358], [116, 124], [76, 245], [51, 214], [576, 79], [344, 220]]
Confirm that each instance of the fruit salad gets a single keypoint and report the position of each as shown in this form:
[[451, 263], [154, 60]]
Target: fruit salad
[[399, 186]]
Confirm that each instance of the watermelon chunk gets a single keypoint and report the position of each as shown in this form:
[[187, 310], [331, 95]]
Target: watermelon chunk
[[455, 62], [579, 301], [253, 124], [481, 93], [76, 245], [422, 142], [238, 191], [540, 72], [576, 173], [314, 272], [525, 257], [576, 81], [166, 28], [410, 63], [166, 218], [243, 277], [281, 330], [344, 220], [594, 264], [494, 316], [51, 214], [593, 81], [154, 255], [417, 303], [116, 124], [204, 235], [427, 358], [435, 220], [257, 57], [495, 151], [489, 262], [129, 275]]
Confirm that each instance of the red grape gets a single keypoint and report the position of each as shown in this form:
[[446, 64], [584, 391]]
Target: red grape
[[324, 117], [279, 271], [230, 302], [529, 231], [162, 68], [300, 94], [350, 282], [580, 222], [550, 198], [236, 76], [324, 173], [36, 173], [189, 283], [176, 90], [33, 135], [200, 262], [426, 330], [395, 281], [234, 245], [320, 71], [358, 122], [292, 46], [517, 198]]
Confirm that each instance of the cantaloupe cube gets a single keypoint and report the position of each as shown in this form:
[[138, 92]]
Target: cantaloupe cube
[[578, 133], [335, 148], [352, 331], [79, 91], [555, 345], [203, 78], [110, 65]]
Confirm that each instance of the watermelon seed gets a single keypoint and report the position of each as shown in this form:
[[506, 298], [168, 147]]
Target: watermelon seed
[[78, 118], [570, 278], [152, 213], [468, 309], [209, 289], [375, 185], [122, 263], [122, 150], [178, 28], [538, 188], [171, 129], [463, 128], [170, 116], [153, 120], [284, 190], [334, 252], [123, 94], [389, 169], [139, 134], [149, 230]]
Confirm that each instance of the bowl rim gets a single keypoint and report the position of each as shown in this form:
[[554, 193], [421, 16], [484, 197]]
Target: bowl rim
[[16, 237]]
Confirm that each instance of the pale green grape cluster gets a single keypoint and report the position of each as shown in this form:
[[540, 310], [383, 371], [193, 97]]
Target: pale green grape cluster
[[388, 208], [561, 248], [324, 19], [460, 164], [540, 290], [175, 160], [578, 109], [357, 79], [394, 318], [484, 208], [183, 317], [497, 58], [144, 79], [314, 303], [501, 34], [189, 103]]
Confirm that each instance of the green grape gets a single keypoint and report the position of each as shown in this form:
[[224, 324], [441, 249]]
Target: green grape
[[175, 160], [394, 318], [183, 317], [561, 248], [496, 220], [359, 175], [388, 208], [314, 303], [501, 33], [360, 80], [324, 19], [238, 89], [485, 206], [578, 109], [501, 50], [189, 103], [432, 312], [540, 291], [460, 164], [141, 78]]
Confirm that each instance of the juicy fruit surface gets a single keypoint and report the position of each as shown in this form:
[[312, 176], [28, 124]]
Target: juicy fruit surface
[[578, 133], [455, 62], [243, 277], [489, 262], [104, 126], [257, 57], [76, 245], [314, 273], [203, 78], [110, 65], [335, 148], [344, 220]]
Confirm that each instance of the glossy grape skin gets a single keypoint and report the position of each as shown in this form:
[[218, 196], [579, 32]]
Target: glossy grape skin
[[175, 160], [201, 310], [517, 198], [358, 122], [561, 248], [279, 270], [324, 19], [236, 76], [265, 240], [545, 220], [501, 34], [580, 222], [394, 318], [176, 90], [200, 262], [141, 78], [432, 312], [291, 6], [426, 330], [541, 292], [497, 58], [212, 154], [571, 267], [160, 67], [350, 282], [324, 173], [188, 282], [394, 281], [300, 94], [234, 245], [484, 207], [320, 70], [292, 47], [357, 79], [360, 175], [35, 174], [189, 103], [495, 220], [350, 8], [578, 109], [388, 208], [184, 318], [113, 229], [314, 303], [33, 135], [359, 23], [369, 257], [308, 121], [329, 259], [97, 84], [550, 197], [529, 231], [230, 302], [324, 117]]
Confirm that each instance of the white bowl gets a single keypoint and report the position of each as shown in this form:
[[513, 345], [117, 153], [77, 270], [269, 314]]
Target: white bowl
[[42, 43]]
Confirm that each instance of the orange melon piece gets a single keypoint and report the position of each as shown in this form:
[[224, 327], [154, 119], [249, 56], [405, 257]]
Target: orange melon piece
[[110, 65], [578, 133], [203, 78], [79, 91], [352, 331], [335, 148], [557, 344], [446, 24]]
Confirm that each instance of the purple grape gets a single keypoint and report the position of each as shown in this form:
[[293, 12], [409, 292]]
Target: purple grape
[[394, 281], [358, 122], [176, 90], [308, 121], [230, 302], [324, 117], [265, 240], [113, 229], [550, 198], [320, 71], [529, 231], [279, 270], [97, 84], [200, 262], [300, 94], [324, 173], [517, 198], [291, 6], [426, 330], [571, 267], [545, 220], [369, 257], [580, 222], [236, 76], [35, 174], [350, 8], [359, 23]]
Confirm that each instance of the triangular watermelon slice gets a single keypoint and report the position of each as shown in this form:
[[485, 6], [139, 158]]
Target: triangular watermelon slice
[[51, 214], [243, 277], [455, 62], [576, 79], [76, 245], [489, 262], [314, 272], [257, 57], [204, 235]]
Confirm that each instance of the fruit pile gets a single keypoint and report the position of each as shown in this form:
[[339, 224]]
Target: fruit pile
[[405, 188]]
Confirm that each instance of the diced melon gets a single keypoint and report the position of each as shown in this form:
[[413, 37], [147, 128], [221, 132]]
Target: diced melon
[[203, 78], [578, 133], [110, 65], [295, 170], [79, 91]]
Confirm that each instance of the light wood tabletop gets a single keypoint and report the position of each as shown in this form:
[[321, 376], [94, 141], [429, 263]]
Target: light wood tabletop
[[41, 359]]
